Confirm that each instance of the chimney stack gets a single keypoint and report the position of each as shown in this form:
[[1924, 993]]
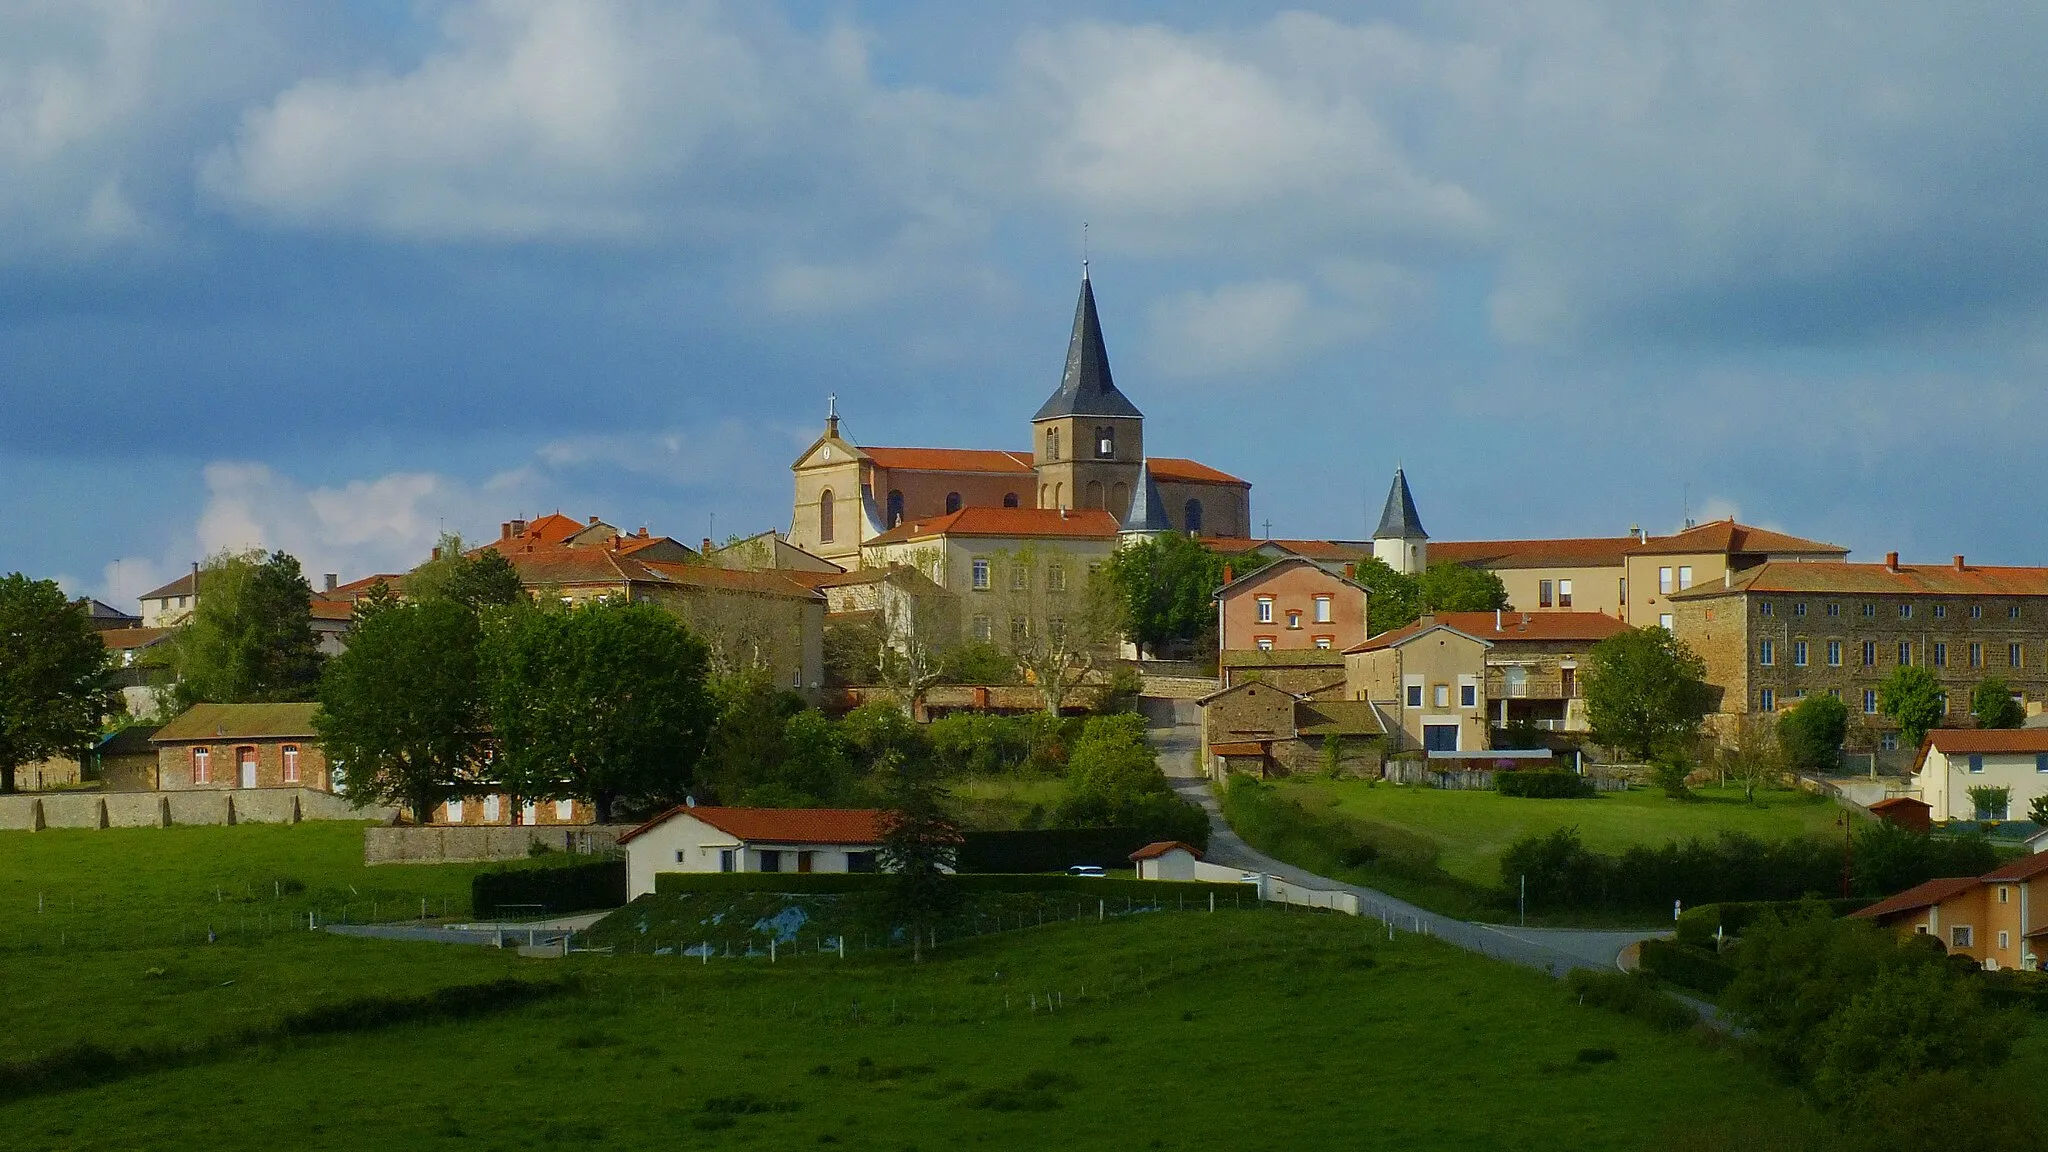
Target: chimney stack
[[1351, 571], [1891, 561], [1496, 620], [437, 552], [1959, 563], [333, 579], [519, 528], [1226, 575], [706, 549], [505, 530], [593, 522], [643, 531]]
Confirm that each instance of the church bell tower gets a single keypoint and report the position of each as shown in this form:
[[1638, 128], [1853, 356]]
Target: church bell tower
[[1088, 439]]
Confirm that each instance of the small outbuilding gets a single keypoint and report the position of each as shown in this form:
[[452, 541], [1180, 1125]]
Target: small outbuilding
[[1166, 860], [689, 838], [1904, 811]]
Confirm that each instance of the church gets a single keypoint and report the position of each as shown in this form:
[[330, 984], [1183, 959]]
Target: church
[[1087, 452]]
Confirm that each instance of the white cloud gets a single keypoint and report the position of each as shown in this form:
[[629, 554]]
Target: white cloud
[[1250, 329]]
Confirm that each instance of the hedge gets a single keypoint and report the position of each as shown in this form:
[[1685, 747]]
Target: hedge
[[1695, 968], [1542, 784], [571, 888], [810, 883], [1696, 925], [1050, 849]]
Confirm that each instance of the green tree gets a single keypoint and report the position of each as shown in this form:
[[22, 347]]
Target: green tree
[[920, 846], [1392, 600], [400, 710], [1755, 759], [746, 744], [2037, 809], [1992, 704], [1448, 587], [853, 652], [1812, 733], [1165, 588], [1645, 691], [605, 701], [56, 680], [1914, 700], [250, 638], [1990, 802], [978, 662], [1114, 781], [484, 580]]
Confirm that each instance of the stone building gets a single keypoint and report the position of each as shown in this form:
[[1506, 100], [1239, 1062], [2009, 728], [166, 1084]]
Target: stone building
[[1778, 632], [1429, 681], [1264, 730], [229, 746], [1087, 454]]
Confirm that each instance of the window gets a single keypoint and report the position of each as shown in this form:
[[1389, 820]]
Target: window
[[1265, 609], [565, 811], [981, 575], [202, 765], [1941, 611], [1976, 762], [1869, 610], [2041, 761], [1543, 594], [1564, 593], [796, 677], [679, 855], [1056, 628], [1325, 642], [1835, 692], [1009, 499], [1888, 741], [1294, 618], [1959, 936], [1055, 578], [1991, 808], [1322, 609], [1870, 653], [1905, 611], [895, 513], [1905, 651], [1441, 697], [1191, 517], [1765, 608], [1684, 577], [1834, 653], [1052, 443], [1799, 609], [1976, 611], [2015, 655], [1799, 693], [1664, 581], [1664, 621], [2012, 613], [1767, 700], [455, 810], [1020, 576], [1834, 609], [2004, 937], [2004, 897], [1020, 630], [1766, 652], [771, 860], [727, 859], [290, 754], [982, 630], [491, 808], [825, 516], [1415, 695], [1799, 653], [952, 502], [1940, 654], [1468, 695], [1105, 442], [1976, 654], [1264, 643], [860, 861], [1621, 590]]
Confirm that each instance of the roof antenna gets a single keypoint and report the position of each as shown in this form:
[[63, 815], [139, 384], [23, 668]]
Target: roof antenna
[[1084, 249]]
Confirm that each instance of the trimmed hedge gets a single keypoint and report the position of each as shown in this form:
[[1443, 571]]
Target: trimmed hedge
[[1696, 925], [571, 888], [814, 883], [1695, 968], [1542, 784], [1050, 849]]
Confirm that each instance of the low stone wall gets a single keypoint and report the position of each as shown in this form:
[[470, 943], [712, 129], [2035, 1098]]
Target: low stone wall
[[477, 842], [1475, 780], [162, 809]]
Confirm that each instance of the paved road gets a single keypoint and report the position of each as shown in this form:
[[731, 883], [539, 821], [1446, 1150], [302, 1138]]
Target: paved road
[[1554, 950]]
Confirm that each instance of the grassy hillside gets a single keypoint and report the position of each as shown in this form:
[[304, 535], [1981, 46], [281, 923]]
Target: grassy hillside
[[1240, 1030]]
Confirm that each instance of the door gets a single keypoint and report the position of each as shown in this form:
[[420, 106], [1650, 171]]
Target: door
[[1568, 682], [1440, 737], [245, 766], [803, 861]]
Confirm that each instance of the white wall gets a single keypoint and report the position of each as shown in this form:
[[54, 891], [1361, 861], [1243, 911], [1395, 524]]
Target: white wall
[[683, 843], [1945, 781]]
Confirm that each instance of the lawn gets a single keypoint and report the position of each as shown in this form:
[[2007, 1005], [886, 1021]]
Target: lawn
[[1001, 802], [1242, 1030], [1472, 829]]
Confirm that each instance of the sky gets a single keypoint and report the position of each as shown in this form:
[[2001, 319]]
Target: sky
[[338, 278]]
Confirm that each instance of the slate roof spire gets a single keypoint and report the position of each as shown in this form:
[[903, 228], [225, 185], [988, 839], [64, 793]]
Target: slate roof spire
[[1399, 520], [1086, 388], [1148, 506]]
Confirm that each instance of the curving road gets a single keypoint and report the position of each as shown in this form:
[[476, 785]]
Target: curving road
[[1176, 735]]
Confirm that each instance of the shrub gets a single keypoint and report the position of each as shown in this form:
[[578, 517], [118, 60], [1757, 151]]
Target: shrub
[[1542, 784], [572, 888], [1688, 967], [1050, 849], [1811, 734], [976, 743], [1636, 996]]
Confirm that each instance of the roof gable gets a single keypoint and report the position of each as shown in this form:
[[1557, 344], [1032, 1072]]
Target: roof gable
[[1408, 634], [782, 825], [1284, 564], [1018, 523]]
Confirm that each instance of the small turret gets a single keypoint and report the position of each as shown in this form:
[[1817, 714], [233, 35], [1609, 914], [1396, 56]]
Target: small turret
[[1399, 541]]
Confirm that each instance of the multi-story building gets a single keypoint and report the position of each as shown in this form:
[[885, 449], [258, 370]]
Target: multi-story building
[[1775, 633], [1992, 762], [1999, 919], [1428, 681], [1289, 623], [1013, 570]]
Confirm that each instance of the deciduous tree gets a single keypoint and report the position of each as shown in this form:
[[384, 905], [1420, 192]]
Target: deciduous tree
[[1812, 733], [1055, 618], [1645, 691], [1448, 587], [1914, 700], [400, 710], [56, 680], [476, 582], [1756, 759], [250, 638], [1992, 704], [1165, 587]]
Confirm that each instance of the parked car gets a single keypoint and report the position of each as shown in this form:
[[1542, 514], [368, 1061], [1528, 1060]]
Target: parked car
[[1085, 870]]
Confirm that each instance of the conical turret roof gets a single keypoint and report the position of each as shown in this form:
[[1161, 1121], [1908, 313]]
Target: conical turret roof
[[1148, 507], [1086, 388], [1399, 520]]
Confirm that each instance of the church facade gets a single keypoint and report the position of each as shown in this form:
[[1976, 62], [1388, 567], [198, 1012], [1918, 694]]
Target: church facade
[[1087, 452]]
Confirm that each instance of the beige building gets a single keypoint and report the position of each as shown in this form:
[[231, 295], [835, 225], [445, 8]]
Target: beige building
[[1429, 680], [1955, 760], [1533, 662], [1009, 568], [1087, 454], [172, 604]]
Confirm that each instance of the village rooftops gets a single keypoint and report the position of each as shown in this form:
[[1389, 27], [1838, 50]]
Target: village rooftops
[[1985, 741], [1395, 637], [1887, 579], [182, 586], [1177, 470], [1726, 537], [1018, 523], [594, 566], [1158, 848], [203, 723], [1555, 627], [782, 825]]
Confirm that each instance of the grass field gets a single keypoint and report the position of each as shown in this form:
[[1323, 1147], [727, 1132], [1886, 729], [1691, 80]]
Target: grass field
[[1001, 802]]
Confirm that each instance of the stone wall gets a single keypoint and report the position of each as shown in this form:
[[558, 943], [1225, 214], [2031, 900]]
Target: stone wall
[[160, 809], [471, 843]]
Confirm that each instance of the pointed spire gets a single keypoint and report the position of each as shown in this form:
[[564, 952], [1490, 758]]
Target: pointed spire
[[1148, 506], [1399, 520], [1086, 388]]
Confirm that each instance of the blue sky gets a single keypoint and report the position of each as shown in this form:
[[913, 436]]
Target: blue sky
[[333, 278]]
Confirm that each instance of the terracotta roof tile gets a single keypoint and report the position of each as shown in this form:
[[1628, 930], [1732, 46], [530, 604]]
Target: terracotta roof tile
[[950, 460], [1920, 896], [1579, 552], [182, 586], [1160, 848], [1238, 748], [1089, 523], [783, 825], [1586, 627], [1781, 576], [125, 639], [1728, 537], [1180, 471], [1395, 636], [2024, 868], [1967, 740]]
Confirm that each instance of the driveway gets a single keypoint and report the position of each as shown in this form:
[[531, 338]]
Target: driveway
[[1175, 733]]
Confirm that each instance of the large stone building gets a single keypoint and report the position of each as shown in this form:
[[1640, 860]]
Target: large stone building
[[1778, 632], [1087, 454]]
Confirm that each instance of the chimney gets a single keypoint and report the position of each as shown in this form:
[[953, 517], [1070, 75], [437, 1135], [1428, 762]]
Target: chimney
[[1959, 563], [519, 527], [643, 531], [1226, 575], [333, 579], [707, 545], [437, 552], [1891, 561], [1351, 571], [505, 530], [1636, 531], [593, 522]]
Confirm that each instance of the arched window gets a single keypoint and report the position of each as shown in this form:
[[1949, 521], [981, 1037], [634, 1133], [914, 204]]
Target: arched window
[[825, 516], [952, 502], [1059, 495], [895, 508], [1094, 491], [1120, 499], [1010, 500], [1052, 443], [1191, 517]]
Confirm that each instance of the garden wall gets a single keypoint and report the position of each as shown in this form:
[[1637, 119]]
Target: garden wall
[[1478, 780], [475, 842], [161, 809]]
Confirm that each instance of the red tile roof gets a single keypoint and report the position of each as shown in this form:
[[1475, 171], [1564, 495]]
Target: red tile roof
[[1579, 552], [355, 588], [783, 825], [182, 586], [333, 610], [950, 460], [1924, 895], [1728, 538], [1179, 471], [1394, 636], [1879, 580], [2024, 868], [1238, 748], [1160, 848], [1587, 627], [1966, 740], [1091, 523], [121, 639], [584, 567], [1890, 803]]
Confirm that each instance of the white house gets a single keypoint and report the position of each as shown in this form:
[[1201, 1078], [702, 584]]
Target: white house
[[690, 838], [1955, 760], [1166, 860]]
